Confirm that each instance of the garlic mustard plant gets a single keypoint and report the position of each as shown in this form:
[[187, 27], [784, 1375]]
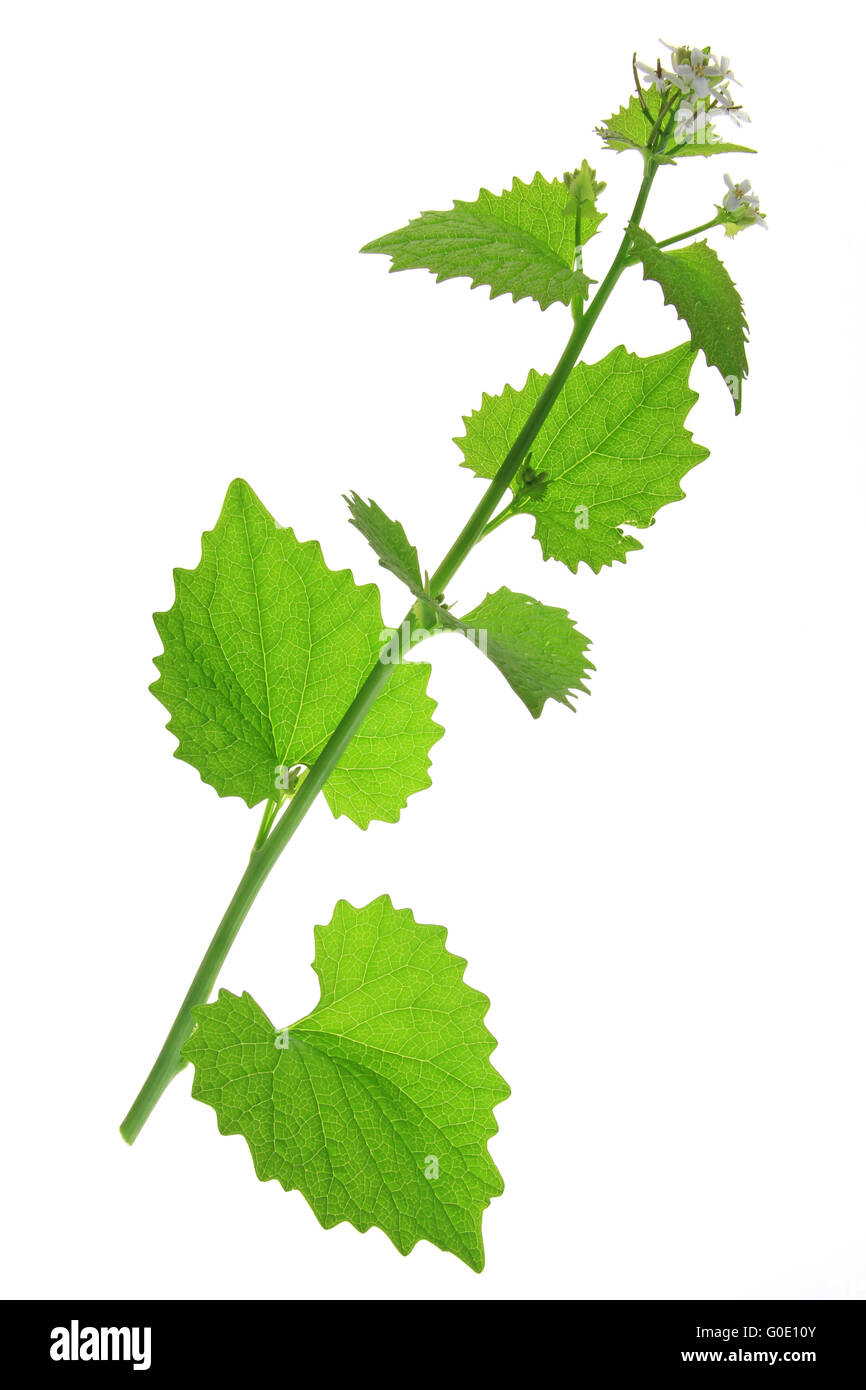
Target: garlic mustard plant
[[283, 683]]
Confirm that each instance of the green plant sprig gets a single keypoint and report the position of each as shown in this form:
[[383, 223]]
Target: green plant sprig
[[241, 714]]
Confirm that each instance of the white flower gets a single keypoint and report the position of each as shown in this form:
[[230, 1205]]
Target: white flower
[[739, 195], [730, 107], [696, 74], [741, 206]]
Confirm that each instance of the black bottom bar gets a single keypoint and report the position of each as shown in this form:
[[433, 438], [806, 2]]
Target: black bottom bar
[[79, 1337]]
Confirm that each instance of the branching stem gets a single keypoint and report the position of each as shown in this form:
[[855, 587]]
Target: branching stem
[[717, 221]]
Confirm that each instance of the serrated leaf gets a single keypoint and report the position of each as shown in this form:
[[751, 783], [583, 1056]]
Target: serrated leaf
[[696, 283], [389, 541], [613, 447], [378, 1105], [628, 128], [518, 242], [265, 648], [538, 649]]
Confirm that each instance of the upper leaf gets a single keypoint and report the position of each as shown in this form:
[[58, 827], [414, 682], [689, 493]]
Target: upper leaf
[[628, 128], [613, 447], [389, 541], [264, 650], [519, 242], [699, 287], [378, 1105], [538, 649]]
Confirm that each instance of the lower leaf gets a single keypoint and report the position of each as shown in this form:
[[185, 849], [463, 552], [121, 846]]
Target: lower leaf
[[378, 1105]]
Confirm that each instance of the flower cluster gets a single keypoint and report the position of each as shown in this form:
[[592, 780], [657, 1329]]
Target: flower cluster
[[702, 79]]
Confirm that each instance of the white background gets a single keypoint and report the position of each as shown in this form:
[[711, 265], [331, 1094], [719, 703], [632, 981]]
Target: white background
[[661, 893]]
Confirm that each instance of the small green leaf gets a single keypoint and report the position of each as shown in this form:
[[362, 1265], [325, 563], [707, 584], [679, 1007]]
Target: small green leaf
[[264, 650], [706, 147], [389, 541], [538, 649], [696, 283], [378, 1105], [518, 242], [613, 448]]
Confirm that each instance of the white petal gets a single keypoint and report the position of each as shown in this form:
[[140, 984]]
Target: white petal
[[729, 181]]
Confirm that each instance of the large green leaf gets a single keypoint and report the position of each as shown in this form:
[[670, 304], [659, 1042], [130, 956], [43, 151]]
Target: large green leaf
[[378, 1105], [264, 650], [519, 242], [696, 283], [613, 448]]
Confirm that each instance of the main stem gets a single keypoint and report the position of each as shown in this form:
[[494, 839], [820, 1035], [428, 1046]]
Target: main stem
[[266, 852]]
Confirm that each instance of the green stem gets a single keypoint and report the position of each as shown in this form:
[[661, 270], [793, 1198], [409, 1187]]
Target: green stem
[[640, 92], [577, 302], [511, 510], [267, 850], [716, 221], [271, 809], [668, 107]]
